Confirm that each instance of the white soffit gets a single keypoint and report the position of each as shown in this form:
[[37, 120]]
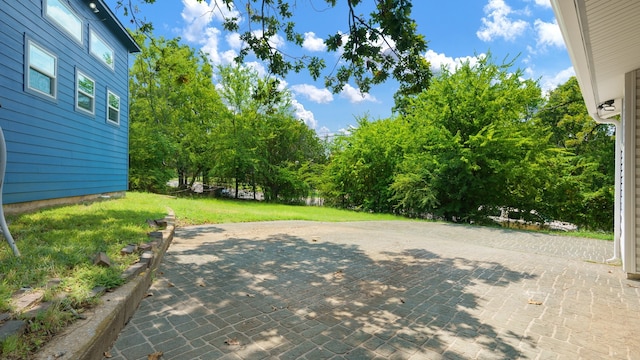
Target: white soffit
[[603, 40]]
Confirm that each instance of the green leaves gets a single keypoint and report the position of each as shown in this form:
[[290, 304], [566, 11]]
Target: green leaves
[[175, 111], [478, 141], [376, 47], [462, 146], [583, 176], [262, 144]]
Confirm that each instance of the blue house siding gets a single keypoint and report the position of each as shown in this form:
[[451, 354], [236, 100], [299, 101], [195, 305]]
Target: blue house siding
[[55, 150]]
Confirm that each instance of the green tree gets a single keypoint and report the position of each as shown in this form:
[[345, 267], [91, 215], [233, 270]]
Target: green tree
[[582, 191], [262, 143], [362, 165], [474, 148], [289, 153], [377, 46], [175, 114], [236, 151]]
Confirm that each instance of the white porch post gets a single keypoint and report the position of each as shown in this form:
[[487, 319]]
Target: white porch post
[[628, 246], [618, 222]]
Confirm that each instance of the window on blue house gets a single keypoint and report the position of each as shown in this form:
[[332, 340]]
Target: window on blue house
[[61, 14], [113, 108], [41, 70], [100, 49], [85, 93]]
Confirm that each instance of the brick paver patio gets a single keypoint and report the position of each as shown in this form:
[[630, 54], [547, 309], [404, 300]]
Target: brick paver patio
[[385, 290]]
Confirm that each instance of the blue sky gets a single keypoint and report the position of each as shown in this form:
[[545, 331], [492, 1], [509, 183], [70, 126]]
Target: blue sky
[[456, 30]]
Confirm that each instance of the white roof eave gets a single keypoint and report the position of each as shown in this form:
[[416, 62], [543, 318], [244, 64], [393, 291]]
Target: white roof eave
[[568, 18]]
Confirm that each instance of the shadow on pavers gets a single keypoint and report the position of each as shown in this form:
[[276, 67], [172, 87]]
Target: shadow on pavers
[[288, 291]]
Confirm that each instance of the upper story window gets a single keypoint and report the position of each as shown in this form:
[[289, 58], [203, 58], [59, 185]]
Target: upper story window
[[42, 70], [61, 14], [85, 93], [113, 108], [100, 49]]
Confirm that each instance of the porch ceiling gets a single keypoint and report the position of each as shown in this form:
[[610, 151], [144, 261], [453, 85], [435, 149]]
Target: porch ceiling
[[603, 40]]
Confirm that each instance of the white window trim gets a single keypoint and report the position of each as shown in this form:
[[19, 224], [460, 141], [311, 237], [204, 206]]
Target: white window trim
[[78, 91], [109, 92], [28, 67], [93, 34], [61, 24]]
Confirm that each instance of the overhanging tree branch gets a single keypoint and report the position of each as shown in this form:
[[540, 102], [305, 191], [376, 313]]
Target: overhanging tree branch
[[385, 44]]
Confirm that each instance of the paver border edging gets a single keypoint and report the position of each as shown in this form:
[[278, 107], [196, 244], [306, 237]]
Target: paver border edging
[[89, 339]]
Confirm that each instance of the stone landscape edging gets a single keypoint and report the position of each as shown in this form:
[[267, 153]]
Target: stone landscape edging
[[89, 339]]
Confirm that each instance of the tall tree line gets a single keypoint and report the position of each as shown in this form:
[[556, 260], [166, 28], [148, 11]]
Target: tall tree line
[[478, 141], [226, 125]]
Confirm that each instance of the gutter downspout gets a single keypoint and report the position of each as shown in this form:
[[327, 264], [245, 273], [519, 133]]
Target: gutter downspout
[[617, 207]]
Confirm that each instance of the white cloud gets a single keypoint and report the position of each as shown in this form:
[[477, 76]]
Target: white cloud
[[303, 114], [548, 83], [543, 3], [548, 34], [258, 67], [198, 16], [228, 57], [234, 41], [355, 95], [209, 43], [498, 24], [282, 85], [313, 43], [347, 131], [324, 132], [320, 96], [438, 61]]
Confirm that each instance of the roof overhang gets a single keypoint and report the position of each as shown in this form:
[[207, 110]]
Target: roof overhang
[[105, 14], [603, 41]]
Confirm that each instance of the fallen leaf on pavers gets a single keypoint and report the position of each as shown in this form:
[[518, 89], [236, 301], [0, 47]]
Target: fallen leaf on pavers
[[338, 274], [535, 302], [170, 284], [200, 283], [148, 294], [232, 342], [154, 356], [250, 295], [107, 354]]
